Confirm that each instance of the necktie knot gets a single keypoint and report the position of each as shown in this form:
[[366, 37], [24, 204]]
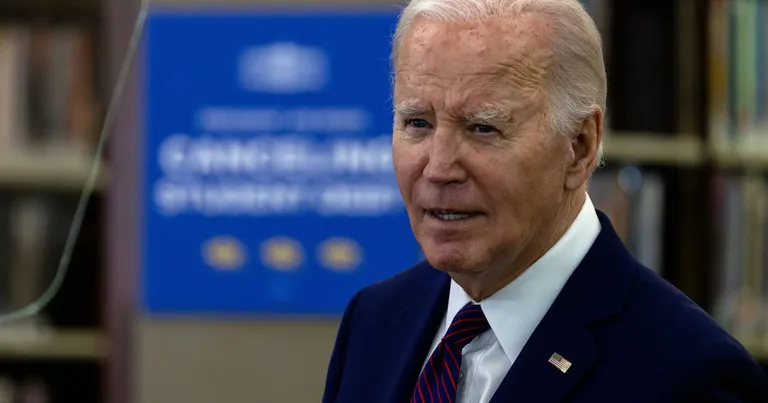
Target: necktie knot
[[469, 323]]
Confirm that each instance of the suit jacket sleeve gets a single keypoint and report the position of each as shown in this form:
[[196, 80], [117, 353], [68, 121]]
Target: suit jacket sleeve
[[338, 356], [725, 375]]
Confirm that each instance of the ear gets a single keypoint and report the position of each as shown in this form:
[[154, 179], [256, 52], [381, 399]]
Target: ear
[[584, 150]]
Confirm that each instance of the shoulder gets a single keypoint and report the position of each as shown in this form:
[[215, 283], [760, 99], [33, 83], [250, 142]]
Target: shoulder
[[665, 315], [399, 289], [374, 309], [721, 372], [665, 327]]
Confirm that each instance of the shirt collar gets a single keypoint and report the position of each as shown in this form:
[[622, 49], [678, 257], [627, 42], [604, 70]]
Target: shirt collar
[[514, 311]]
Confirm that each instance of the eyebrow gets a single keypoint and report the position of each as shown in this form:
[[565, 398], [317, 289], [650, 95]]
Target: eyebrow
[[407, 111], [487, 114]]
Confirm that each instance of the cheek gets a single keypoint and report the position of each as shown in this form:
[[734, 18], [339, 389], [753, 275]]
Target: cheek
[[519, 188], [407, 164], [407, 160], [534, 164]]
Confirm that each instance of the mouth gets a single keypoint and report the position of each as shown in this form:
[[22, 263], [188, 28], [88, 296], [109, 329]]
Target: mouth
[[451, 215]]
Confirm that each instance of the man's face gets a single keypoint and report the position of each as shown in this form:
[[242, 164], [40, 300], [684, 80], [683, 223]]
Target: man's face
[[478, 171]]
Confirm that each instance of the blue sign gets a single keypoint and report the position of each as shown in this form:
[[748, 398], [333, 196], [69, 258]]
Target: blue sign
[[268, 184]]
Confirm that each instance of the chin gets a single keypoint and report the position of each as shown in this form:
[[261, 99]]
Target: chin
[[453, 259]]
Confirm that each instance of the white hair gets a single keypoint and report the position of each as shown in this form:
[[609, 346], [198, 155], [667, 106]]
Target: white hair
[[576, 81]]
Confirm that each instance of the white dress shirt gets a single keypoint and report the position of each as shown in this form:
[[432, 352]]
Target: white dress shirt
[[514, 311]]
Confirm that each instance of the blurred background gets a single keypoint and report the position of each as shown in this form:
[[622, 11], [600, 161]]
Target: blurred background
[[246, 190]]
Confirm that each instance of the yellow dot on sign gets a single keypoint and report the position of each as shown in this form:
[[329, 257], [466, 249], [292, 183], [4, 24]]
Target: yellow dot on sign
[[224, 253], [281, 254], [340, 254]]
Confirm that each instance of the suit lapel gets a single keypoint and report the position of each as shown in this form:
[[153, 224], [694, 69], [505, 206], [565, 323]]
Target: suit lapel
[[417, 325], [533, 378], [595, 292]]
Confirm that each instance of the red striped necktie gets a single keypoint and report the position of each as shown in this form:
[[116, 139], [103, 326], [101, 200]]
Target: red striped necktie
[[440, 376]]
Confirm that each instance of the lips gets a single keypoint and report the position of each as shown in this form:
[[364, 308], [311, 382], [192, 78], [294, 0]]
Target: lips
[[451, 214]]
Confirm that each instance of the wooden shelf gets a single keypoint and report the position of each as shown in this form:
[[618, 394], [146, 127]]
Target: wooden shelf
[[681, 150], [54, 170], [758, 349], [741, 159], [53, 344]]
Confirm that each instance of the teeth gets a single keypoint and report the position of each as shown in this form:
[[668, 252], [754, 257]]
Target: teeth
[[448, 216]]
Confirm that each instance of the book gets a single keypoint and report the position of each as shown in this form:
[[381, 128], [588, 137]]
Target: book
[[51, 101], [633, 199]]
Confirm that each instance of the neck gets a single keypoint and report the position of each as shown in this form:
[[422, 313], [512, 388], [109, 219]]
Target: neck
[[480, 286]]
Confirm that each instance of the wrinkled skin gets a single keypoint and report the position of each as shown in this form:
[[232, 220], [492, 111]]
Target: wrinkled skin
[[470, 136]]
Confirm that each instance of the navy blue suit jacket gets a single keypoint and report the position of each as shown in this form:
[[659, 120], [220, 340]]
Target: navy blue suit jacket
[[630, 335]]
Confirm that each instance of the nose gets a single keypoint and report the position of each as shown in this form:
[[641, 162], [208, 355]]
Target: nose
[[444, 165]]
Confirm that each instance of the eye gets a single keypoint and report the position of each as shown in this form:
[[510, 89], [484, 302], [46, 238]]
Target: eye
[[484, 129], [417, 123]]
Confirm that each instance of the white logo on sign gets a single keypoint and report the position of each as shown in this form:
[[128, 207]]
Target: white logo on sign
[[283, 67]]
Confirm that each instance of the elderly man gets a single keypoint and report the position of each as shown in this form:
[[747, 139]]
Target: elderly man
[[527, 295]]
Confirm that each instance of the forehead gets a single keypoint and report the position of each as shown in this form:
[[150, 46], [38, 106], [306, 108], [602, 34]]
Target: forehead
[[481, 59]]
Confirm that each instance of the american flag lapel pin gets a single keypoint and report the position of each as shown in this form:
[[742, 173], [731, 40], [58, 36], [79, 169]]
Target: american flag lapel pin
[[559, 362]]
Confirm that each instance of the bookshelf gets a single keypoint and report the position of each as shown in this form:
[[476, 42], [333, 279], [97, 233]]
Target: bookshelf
[[738, 141], [693, 115], [50, 112]]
